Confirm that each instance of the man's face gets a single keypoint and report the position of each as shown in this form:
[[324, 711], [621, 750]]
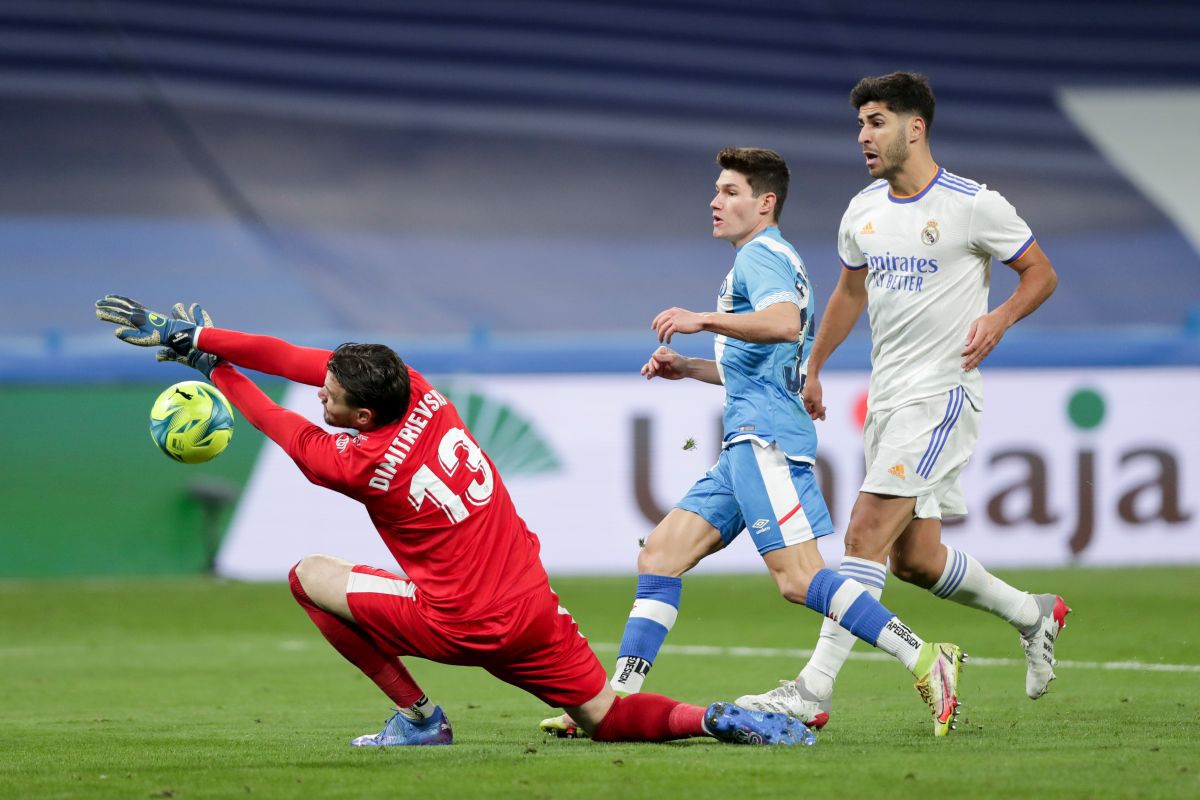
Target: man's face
[[333, 399], [883, 135], [736, 212]]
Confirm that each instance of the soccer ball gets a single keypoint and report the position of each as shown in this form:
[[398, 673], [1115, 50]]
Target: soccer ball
[[191, 422]]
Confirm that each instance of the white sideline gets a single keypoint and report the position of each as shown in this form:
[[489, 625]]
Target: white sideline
[[973, 661], [297, 645]]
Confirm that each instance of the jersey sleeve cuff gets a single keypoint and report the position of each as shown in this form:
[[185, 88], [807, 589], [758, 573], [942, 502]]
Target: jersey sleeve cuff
[[776, 297], [1021, 250], [851, 267]]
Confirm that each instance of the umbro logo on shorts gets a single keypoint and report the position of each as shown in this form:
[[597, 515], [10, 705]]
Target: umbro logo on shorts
[[898, 471], [761, 525]]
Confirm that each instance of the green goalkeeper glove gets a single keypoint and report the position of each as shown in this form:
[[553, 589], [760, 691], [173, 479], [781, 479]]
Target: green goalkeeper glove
[[143, 327], [199, 318]]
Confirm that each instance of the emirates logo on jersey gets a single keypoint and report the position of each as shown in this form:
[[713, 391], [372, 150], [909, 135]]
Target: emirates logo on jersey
[[930, 233]]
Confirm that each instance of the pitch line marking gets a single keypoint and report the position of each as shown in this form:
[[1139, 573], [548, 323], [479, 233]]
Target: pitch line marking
[[295, 645], [975, 661]]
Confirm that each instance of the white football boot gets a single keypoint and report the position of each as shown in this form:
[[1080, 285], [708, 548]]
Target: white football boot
[[1038, 643], [793, 698]]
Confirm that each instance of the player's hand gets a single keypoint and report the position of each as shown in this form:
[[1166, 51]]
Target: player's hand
[[143, 327], [986, 332], [200, 361], [813, 397], [676, 320], [665, 363]]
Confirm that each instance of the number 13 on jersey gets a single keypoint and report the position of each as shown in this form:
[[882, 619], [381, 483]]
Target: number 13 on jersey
[[455, 451]]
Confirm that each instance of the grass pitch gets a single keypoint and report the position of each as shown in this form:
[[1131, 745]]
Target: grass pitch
[[206, 689]]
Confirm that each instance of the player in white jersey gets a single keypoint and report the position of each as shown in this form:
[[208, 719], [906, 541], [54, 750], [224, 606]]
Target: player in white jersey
[[763, 480], [916, 246]]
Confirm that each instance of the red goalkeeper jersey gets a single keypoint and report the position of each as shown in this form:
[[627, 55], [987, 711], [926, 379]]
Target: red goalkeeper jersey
[[434, 496]]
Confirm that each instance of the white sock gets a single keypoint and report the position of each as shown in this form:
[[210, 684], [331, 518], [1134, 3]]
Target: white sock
[[422, 709], [835, 642], [965, 581], [629, 674], [898, 639], [891, 636]]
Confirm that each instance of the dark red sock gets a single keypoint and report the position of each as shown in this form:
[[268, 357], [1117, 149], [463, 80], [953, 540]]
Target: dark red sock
[[649, 718], [348, 639]]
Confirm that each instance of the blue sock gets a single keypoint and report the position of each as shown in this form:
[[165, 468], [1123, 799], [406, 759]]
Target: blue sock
[[654, 611], [854, 608]]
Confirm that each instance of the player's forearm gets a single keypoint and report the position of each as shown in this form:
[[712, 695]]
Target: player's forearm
[[1036, 284], [775, 324], [300, 439], [841, 312], [266, 354], [280, 425], [703, 369]]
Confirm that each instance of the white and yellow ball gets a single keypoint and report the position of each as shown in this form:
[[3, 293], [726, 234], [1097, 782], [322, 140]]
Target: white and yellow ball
[[191, 422]]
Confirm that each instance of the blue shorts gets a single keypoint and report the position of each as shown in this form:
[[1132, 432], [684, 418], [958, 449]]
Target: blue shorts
[[758, 487]]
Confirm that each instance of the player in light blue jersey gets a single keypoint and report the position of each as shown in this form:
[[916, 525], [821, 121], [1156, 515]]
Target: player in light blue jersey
[[763, 480], [917, 247], [763, 379]]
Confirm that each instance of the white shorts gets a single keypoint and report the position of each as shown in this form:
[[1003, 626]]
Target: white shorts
[[919, 449]]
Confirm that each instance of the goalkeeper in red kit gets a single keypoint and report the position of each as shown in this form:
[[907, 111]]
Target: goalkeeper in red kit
[[473, 591]]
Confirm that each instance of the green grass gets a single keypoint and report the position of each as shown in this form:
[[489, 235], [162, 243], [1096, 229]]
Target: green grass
[[198, 689]]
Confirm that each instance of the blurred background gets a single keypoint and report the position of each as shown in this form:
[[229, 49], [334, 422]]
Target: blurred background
[[508, 192]]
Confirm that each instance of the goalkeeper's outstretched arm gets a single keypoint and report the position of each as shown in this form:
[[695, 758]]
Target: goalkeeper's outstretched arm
[[305, 443], [182, 331], [265, 354]]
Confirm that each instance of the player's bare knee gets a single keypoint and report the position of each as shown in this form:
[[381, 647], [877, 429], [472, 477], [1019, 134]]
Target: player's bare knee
[[677, 544], [795, 592], [903, 570], [912, 571], [863, 546], [662, 560], [793, 586], [793, 569], [900, 569], [310, 569], [323, 579]]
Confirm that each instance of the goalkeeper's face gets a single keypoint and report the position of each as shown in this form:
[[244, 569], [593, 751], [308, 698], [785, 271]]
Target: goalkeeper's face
[[338, 412]]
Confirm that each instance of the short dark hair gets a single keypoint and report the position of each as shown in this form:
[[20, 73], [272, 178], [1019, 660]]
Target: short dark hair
[[901, 92], [765, 171], [374, 377]]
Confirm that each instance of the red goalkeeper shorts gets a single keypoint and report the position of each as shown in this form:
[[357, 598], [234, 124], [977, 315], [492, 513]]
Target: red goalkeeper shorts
[[532, 643]]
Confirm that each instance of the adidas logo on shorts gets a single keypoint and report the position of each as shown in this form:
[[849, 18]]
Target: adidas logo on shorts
[[898, 471]]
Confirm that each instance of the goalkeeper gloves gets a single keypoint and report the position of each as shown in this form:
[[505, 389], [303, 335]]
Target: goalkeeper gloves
[[198, 318], [145, 328]]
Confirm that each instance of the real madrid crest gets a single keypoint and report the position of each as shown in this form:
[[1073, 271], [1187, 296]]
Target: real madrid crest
[[930, 233]]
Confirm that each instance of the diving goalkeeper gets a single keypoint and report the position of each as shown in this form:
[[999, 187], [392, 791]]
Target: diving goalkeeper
[[474, 591]]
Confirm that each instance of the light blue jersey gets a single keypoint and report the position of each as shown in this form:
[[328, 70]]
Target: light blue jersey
[[763, 381]]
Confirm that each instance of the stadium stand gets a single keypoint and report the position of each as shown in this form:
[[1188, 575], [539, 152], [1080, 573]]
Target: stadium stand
[[532, 176]]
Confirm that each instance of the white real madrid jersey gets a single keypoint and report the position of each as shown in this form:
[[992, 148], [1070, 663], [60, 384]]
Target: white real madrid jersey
[[928, 258]]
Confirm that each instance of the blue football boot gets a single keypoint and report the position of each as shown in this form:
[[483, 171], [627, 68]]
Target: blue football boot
[[737, 725], [400, 731]]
